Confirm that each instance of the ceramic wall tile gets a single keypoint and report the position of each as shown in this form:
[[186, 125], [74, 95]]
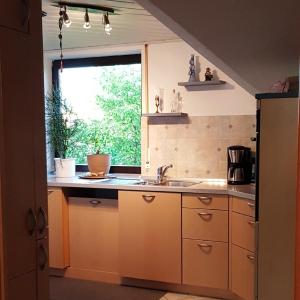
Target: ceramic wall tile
[[197, 148]]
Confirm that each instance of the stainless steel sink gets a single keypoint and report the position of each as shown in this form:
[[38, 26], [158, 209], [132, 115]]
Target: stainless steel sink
[[179, 183]]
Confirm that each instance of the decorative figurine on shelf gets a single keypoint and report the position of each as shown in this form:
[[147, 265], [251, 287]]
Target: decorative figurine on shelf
[[192, 69], [157, 103], [208, 75]]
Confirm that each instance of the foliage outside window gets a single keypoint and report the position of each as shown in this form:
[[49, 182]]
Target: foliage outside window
[[107, 100]]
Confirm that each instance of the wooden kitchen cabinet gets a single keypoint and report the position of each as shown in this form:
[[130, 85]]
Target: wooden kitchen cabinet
[[94, 239], [58, 220], [243, 206], [205, 201], [205, 224], [23, 189], [205, 263], [242, 272], [243, 231], [150, 236]]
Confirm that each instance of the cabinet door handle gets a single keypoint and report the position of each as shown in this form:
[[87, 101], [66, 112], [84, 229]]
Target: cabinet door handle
[[95, 202], [42, 220], [31, 221], [251, 222], [203, 245], [250, 257], [148, 198], [205, 216], [205, 200], [50, 192], [42, 257], [251, 205]]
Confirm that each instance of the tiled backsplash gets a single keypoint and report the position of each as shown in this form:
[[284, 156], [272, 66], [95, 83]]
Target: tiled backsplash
[[197, 147]]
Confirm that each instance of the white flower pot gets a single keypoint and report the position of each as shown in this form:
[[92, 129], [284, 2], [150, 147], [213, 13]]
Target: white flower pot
[[64, 167]]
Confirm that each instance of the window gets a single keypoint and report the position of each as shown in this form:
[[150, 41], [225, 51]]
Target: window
[[105, 94]]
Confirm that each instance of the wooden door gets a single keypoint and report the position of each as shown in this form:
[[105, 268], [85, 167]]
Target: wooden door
[[14, 14], [150, 236], [22, 162]]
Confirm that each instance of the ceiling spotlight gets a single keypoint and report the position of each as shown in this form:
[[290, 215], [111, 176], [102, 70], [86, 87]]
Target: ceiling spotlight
[[86, 24], [107, 26], [66, 18]]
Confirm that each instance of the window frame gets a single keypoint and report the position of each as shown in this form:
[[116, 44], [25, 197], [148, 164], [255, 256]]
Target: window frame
[[125, 59]]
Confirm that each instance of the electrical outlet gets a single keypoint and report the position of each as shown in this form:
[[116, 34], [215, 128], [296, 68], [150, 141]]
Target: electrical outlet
[[147, 165]]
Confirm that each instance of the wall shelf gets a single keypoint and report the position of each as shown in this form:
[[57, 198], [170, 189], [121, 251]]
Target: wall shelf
[[166, 115], [201, 83]]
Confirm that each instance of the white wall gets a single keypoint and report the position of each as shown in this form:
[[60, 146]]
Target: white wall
[[169, 64]]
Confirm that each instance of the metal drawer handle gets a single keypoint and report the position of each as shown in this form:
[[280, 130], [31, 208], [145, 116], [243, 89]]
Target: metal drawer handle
[[250, 257], [50, 192], [95, 202], [251, 205], [42, 220], [205, 200], [148, 198], [205, 216], [251, 222], [42, 257], [205, 245], [31, 221]]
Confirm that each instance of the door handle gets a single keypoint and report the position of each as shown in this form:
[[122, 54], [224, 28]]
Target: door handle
[[31, 221], [205, 200], [95, 202], [148, 198], [205, 216], [42, 222], [42, 257]]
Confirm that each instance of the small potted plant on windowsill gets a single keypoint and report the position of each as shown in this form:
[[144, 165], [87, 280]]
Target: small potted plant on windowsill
[[62, 125], [99, 163]]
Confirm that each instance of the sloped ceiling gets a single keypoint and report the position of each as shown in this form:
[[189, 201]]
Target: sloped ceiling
[[131, 24], [254, 42]]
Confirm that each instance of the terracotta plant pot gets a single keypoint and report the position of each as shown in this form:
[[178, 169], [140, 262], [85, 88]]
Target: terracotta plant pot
[[98, 163], [64, 167]]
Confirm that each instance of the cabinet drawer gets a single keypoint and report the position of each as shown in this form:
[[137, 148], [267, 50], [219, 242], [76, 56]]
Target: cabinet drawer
[[205, 201], [205, 264], [205, 224], [243, 231], [242, 277], [243, 206]]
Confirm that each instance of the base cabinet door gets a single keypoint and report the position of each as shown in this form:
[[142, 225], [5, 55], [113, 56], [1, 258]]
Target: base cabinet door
[[205, 263], [58, 219], [94, 238], [150, 236], [242, 273]]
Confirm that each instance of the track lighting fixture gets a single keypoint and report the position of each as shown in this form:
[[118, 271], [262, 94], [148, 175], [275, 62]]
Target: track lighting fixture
[[66, 18], [81, 7], [107, 26], [86, 24]]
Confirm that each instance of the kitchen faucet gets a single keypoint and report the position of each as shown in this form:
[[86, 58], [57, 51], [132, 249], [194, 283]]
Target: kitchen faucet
[[161, 171]]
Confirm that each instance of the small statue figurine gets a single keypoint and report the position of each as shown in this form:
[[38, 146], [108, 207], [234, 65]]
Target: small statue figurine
[[192, 69], [208, 75], [157, 102]]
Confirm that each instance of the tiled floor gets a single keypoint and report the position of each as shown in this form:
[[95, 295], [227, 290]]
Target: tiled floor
[[172, 296], [74, 289]]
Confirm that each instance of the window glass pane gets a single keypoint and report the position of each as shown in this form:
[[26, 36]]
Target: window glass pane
[[107, 100]]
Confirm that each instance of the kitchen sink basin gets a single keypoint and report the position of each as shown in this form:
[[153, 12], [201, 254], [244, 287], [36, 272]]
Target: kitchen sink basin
[[179, 183]]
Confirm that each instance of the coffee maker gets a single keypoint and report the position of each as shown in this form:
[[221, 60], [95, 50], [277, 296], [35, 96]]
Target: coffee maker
[[239, 165]]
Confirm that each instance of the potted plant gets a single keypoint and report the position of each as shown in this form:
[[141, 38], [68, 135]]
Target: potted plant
[[62, 125], [98, 163]]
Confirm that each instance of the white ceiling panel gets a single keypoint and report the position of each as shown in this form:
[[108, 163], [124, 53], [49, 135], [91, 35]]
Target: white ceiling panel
[[131, 25]]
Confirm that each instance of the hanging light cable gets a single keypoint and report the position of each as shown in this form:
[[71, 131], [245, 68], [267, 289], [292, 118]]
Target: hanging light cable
[[86, 24], [66, 18], [107, 26]]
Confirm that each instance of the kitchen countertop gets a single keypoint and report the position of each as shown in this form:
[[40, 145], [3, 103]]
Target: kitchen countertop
[[128, 182]]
